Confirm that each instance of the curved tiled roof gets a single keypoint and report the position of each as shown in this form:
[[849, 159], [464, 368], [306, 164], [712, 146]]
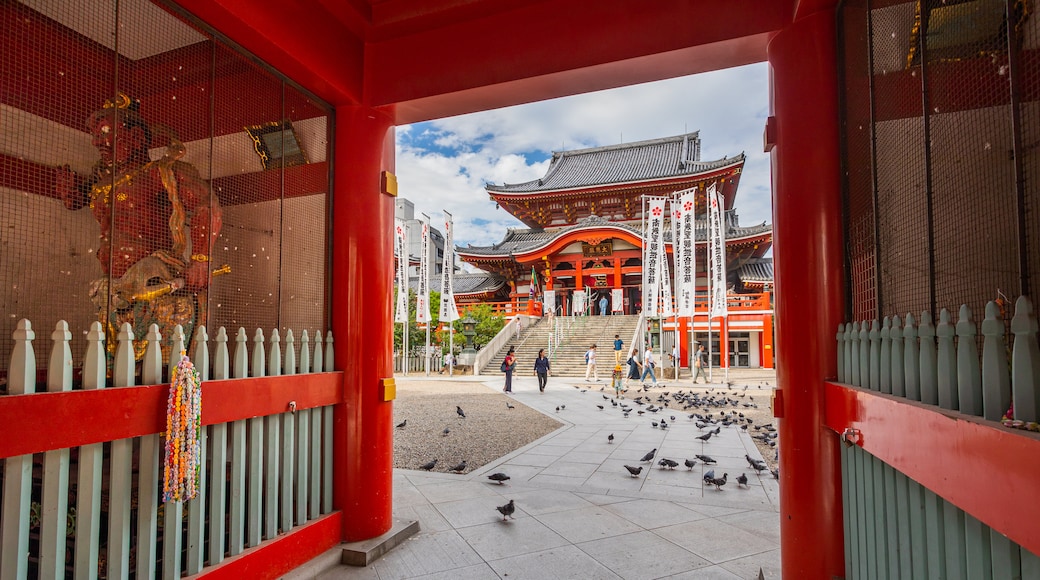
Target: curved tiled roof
[[523, 240], [760, 271], [640, 161], [465, 282]]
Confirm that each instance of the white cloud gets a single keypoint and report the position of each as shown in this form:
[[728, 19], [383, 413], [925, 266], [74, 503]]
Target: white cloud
[[444, 164]]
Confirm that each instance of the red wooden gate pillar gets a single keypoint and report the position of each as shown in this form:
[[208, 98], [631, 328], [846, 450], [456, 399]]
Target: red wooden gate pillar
[[362, 252], [809, 288]]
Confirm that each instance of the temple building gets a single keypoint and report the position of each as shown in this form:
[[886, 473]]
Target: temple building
[[584, 231]]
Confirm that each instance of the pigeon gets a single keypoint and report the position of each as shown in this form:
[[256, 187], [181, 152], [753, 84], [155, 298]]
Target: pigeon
[[506, 510], [402, 424], [557, 409], [718, 482], [610, 438], [458, 410], [460, 467], [742, 480], [649, 456], [501, 477], [689, 463], [705, 459], [600, 407], [709, 475], [654, 423], [428, 466], [775, 472], [668, 463], [706, 436], [445, 432], [664, 425], [634, 471], [510, 405], [563, 406]]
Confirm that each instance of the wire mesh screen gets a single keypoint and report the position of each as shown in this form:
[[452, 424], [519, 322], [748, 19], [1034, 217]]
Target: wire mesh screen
[[952, 115], [151, 173]]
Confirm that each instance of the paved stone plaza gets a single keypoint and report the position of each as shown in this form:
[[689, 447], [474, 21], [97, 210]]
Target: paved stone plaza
[[579, 514]]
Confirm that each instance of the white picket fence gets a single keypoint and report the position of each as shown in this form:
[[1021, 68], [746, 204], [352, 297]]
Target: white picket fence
[[940, 364], [263, 475]]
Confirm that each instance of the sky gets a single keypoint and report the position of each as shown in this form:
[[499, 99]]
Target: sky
[[444, 164]]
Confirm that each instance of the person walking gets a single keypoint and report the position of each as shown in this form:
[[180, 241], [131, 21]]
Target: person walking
[[648, 366], [541, 368], [508, 365], [590, 364], [603, 305], [633, 367], [618, 346], [700, 361]]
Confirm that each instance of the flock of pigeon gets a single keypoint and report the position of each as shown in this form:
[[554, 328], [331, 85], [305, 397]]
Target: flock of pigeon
[[707, 409]]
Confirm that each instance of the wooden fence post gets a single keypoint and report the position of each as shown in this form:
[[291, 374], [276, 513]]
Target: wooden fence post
[[911, 360], [946, 362], [996, 381], [1025, 362], [969, 377], [55, 505]]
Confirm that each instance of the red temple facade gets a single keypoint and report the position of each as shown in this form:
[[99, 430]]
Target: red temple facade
[[585, 232]]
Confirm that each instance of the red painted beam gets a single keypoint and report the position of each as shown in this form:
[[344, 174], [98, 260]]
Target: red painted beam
[[304, 42], [298, 180], [535, 52], [985, 469], [274, 558], [94, 416]]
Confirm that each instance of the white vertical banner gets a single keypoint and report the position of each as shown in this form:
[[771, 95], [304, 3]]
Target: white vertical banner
[[549, 301], [717, 252], [666, 280], [578, 302], [401, 231], [685, 254], [617, 300], [654, 248], [449, 312], [422, 299]]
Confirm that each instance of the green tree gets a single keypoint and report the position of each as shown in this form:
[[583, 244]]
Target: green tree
[[488, 325]]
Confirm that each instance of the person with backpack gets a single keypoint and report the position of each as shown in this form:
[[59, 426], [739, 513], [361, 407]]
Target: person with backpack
[[648, 366], [541, 368], [507, 367], [590, 364]]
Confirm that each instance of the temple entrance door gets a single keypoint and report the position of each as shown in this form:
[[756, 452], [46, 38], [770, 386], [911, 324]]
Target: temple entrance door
[[739, 349]]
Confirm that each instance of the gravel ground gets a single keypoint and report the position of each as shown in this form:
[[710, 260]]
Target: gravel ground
[[489, 431]]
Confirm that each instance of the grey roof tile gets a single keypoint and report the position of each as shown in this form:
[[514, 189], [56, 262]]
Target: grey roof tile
[[642, 160]]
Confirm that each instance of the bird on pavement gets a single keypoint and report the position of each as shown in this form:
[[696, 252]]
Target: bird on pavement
[[501, 477], [709, 475], [742, 480], [557, 409], [706, 436], [428, 466], [705, 459], [458, 410], [718, 482], [610, 438], [775, 472], [668, 463], [600, 407], [654, 423], [402, 424], [689, 463], [634, 471], [510, 405], [460, 467], [506, 510], [563, 406], [649, 456], [445, 432]]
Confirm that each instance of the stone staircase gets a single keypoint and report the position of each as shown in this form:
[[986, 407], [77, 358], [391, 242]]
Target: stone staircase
[[569, 358]]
